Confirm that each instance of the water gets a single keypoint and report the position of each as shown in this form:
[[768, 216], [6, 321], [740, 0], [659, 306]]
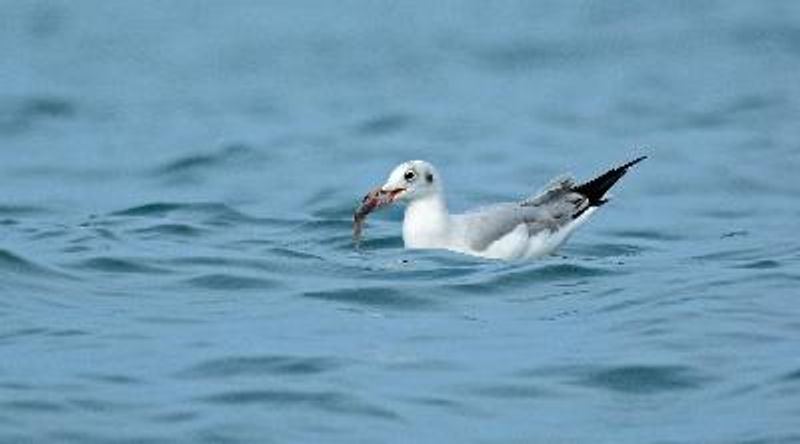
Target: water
[[178, 183]]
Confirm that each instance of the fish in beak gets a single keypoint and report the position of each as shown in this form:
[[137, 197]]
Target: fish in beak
[[375, 199]]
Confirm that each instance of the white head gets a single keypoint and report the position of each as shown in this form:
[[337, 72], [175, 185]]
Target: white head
[[412, 180]]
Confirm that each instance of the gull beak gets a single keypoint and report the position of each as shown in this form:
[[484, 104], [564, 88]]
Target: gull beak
[[377, 198], [392, 194]]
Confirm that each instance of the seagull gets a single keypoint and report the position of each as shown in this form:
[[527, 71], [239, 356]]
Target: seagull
[[530, 228]]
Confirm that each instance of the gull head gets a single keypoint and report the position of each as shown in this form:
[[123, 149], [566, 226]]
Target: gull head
[[412, 180], [409, 181]]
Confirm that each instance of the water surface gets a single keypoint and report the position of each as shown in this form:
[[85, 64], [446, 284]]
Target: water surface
[[179, 179]]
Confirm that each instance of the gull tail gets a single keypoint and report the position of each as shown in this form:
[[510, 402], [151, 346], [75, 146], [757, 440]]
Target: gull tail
[[596, 189]]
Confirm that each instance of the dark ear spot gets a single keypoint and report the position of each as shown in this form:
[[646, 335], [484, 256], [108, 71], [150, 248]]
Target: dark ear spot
[[429, 178]]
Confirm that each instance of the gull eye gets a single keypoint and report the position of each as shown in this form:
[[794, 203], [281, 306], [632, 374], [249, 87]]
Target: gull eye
[[410, 175]]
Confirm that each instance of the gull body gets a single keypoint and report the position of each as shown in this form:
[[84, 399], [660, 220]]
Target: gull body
[[530, 228]]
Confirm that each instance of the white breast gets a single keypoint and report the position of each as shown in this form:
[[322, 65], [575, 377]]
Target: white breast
[[426, 224]]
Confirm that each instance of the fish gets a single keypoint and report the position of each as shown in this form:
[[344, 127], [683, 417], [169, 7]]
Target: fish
[[372, 201]]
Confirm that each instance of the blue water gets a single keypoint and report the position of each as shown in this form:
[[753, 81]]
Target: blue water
[[178, 181]]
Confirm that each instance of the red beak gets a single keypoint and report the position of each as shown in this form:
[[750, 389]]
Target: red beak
[[376, 199]]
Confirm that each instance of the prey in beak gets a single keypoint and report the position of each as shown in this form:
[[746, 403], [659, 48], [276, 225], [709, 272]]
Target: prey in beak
[[374, 200]]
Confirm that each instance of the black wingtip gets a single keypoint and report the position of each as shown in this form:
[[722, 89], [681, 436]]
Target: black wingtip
[[596, 189], [632, 163]]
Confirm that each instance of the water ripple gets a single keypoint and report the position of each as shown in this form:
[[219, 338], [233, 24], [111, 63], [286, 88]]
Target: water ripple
[[644, 379], [257, 365], [528, 275], [226, 281], [374, 297], [383, 124], [171, 230], [119, 265], [330, 402], [32, 405], [21, 115], [233, 155], [12, 263], [20, 210], [208, 213], [510, 391]]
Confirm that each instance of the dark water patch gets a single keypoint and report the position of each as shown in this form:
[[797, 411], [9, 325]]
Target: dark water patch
[[771, 438], [622, 304], [293, 254], [217, 262], [225, 281], [47, 106], [46, 21], [69, 332], [605, 250], [744, 111], [401, 265], [94, 405], [22, 333], [49, 234], [530, 275], [111, 379], [405, 269], [171, 230], [16, 386], [82, 437], [20, 210], [383, 124], [527, 54], [169, 320], [793, 376], [726, 213], [119, 265], [745, 337], [16, 438], [158, 209], [375, 297], [76, 249], [653, 235], [775, 37], [330, 402], [432, 401], [643, 379], [252, 243], [373, 243], [105, 233], [317, 225], [32, 405], [262, 365], [226, 158], [735, 233], [164, 209], [21, 115], [206, 213], [734, 254], [509, 392], [341, 212], [763, 264], [177, 418], [424, 365], [12, 263]]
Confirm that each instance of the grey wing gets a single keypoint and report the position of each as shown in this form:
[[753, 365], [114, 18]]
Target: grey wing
[[484, 226], [552, 208], [555, 206]]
